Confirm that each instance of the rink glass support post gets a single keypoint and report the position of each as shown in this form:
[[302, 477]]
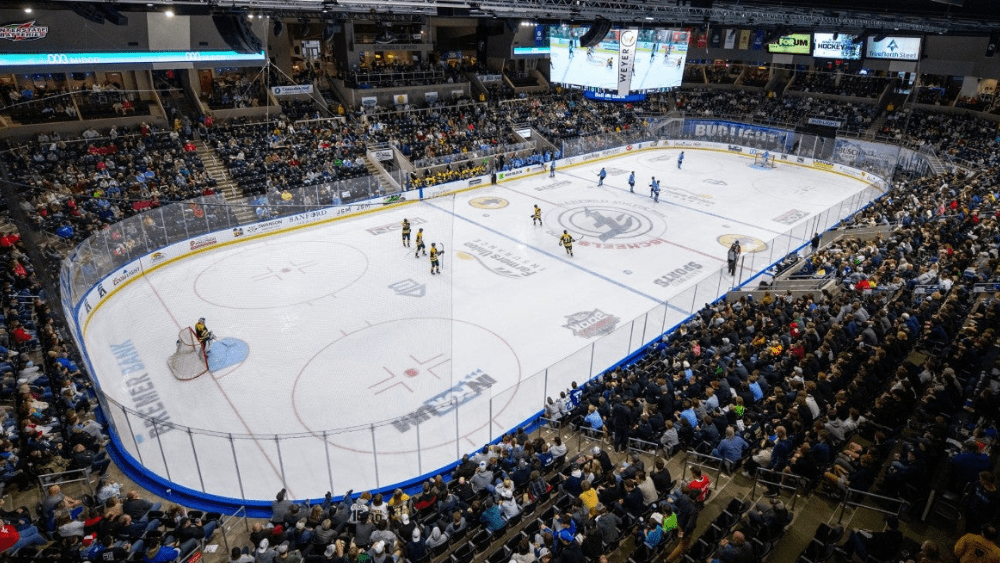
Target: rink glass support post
[[162, 455], [718, 290], [236, 463], [545, 394], [591, 372], [420, 462], [329, 467], [197, 464], [490, 414], [663, 325], [375, 457], [458, 455], [281, 462], [131, 432], [645, 321], [694, 299]]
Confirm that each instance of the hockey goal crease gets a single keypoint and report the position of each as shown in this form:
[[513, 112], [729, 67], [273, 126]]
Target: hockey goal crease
[[188, 362], [760, 160]]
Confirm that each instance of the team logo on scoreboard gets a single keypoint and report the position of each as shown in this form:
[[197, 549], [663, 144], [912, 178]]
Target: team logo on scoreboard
[[588, 324], [747, 243], [489, 203], [26, 31]]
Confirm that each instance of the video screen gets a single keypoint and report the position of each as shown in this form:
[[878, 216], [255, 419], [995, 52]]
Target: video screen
[[658, 62], [836, 46], [794, 44]]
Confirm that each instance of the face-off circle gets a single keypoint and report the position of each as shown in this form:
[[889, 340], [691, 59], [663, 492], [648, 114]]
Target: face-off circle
[[401, 372], [611, 222], [747, 243], [272, 275]]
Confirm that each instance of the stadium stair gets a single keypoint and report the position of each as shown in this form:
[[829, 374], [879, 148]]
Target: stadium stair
[[225, 185]]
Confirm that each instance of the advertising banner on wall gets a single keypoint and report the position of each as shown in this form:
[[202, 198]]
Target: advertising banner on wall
[[878, 158], [626, 59], [727, 131]]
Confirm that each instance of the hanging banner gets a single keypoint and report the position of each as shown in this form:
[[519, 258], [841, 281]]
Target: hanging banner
[[430, 97], [369, 101], [715, 38], [626, 59], [730, 38], [702, 41], [401, 99], [744, 39], [292, 90], [758, 39]]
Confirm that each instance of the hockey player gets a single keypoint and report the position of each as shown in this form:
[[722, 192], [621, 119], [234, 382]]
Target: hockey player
[[204, 336], [567, 241], [420, 243], [406, 232], [552, 169], [631, 182], [601, 176], [680, 160], [536, 217], [654, 190], [435, 263]]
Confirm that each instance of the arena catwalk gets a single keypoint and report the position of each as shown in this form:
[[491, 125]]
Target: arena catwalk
[[341, 362]]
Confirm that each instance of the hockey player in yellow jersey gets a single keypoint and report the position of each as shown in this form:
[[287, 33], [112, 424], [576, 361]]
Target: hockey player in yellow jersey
[[420, 243], [203, 334], [567, 241], [435, 264], [406, 233], [536, 217]]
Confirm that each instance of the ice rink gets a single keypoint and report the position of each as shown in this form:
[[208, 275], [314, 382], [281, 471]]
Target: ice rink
[[375, 371]]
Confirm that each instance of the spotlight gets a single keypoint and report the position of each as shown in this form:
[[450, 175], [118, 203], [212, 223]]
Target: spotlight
[[169, 13], [27, 10]]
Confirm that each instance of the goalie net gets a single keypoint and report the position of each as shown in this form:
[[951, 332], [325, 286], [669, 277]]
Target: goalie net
[[760, 160], [188, 362]]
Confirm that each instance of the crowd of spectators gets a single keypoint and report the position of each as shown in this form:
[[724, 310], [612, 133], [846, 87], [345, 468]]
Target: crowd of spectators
[[723, 74], [75, 188], [839, 84], [785, 383], [396, 74], [967, 137], [296, 110], [49, 425], [236, 92], [280, 155], [757, 76]]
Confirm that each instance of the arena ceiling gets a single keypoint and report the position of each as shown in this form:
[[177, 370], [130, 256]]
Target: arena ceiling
[[951, 17]]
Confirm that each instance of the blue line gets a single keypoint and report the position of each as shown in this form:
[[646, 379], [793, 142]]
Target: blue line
[[550, 255], [689, 208]]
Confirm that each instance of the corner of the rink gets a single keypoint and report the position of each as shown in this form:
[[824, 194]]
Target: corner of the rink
[[176, 494]]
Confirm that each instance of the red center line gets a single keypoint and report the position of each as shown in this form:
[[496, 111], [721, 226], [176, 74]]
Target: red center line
[[274, 468], [693, 250], [532, 196]]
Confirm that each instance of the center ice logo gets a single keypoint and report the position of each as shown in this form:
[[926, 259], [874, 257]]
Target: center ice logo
[[607, 222], [588, 324]]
